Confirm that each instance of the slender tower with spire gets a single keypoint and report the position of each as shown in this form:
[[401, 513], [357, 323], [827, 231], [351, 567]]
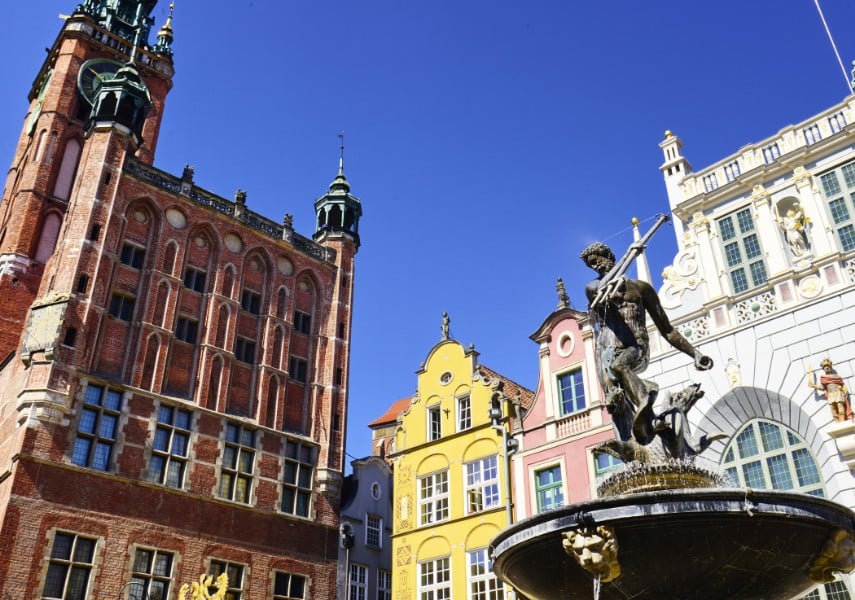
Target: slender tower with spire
[[173, 366]]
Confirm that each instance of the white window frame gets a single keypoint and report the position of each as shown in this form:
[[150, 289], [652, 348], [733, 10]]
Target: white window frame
[[464, 412], [433, 508], [434, 579], [376, 527], [482, 486], [481, 582], [358, 582], [434, 417]]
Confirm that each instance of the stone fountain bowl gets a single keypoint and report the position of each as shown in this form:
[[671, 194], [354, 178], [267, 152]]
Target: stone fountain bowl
[[692, 544]]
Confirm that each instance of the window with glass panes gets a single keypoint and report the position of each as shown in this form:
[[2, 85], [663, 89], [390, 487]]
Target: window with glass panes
[[96, 430], [384, 585], [358, 582], [435, 579], [433, 498], [482, 583], [169, 449], [234, 572], [768, 455], [482, 484], [743, 254], [152, 575], [464, 413], [838, 188], [604, 463], [297, 476], [72, 558], [373, 529], [571, 391], [549, 488], [434, 423], [287, 586], [834, 590], [238, 463]]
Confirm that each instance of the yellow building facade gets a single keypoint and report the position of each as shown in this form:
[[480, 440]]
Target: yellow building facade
[[451, 485]]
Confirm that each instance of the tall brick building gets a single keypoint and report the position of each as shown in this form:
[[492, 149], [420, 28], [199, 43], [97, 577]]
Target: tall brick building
[[173, 366]]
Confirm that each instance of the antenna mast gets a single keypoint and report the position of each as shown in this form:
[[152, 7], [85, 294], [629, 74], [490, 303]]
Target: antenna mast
[[834, 47]]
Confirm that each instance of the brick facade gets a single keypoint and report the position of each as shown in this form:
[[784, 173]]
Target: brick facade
[[173, 366]]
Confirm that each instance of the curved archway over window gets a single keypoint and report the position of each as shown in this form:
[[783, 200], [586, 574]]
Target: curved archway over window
[[768, 455], [67, 168], [48, 237]]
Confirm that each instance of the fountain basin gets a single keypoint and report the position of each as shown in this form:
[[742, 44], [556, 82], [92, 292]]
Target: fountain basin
[[691, 544]]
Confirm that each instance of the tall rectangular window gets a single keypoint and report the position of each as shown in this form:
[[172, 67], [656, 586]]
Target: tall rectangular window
[[482, 484], [245, 350], [434, 423], [358, 582], [435, 579], [194, 279], [122, 307], [72, 559], [96, 430], [238, 464], [373, 531], [464, 413], [132, 255], [838, 187], [571, 391], [298, 369], [235, 574], [186, 329], [297, 477], [287, 586], [742, 251], [433, 498], [302, 322], [384, 584], [169, 448], [482, 583], [549, 488], [250, 301], [152, 575]]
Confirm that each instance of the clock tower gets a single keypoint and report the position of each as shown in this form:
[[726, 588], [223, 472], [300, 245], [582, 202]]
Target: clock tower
[[174, 366], [101, 70]]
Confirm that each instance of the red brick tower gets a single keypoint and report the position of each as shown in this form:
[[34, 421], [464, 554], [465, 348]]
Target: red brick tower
[[173, 366]]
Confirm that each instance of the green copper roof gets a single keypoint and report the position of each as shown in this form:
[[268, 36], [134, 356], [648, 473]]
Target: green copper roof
[[120, 16]]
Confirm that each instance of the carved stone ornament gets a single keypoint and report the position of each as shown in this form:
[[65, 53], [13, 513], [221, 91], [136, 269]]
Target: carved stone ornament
[[801, 177], [700, 222], [759, 194], [595, 549], [838, 555], [42, 333]]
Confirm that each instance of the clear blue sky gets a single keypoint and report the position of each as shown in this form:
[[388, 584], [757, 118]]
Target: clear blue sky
[[488, 141]]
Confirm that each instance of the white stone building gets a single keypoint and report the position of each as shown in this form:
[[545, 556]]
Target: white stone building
[[764, 282]]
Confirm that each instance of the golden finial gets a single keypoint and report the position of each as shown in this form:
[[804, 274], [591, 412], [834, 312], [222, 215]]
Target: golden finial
[[668, 134], [635, 221]]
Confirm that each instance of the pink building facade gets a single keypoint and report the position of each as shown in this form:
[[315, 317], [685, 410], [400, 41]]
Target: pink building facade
[[555, 465]]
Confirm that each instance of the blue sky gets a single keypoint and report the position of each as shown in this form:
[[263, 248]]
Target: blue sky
[[488, 142]]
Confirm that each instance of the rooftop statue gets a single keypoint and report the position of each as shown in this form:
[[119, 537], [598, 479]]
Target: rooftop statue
[[619, 307]]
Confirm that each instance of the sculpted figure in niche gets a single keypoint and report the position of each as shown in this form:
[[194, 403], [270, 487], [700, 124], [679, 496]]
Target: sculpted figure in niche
[[619, 306], [793, 224], [832, 385]]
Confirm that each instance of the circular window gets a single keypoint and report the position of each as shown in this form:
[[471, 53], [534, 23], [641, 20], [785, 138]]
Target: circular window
[[375, 490], [445, 378]]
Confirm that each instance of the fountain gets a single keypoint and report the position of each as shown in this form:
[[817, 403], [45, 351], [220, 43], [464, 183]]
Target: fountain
[[666, 525]]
